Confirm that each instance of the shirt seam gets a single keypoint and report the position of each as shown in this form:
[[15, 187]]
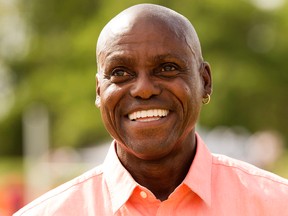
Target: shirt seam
[[251, 174]]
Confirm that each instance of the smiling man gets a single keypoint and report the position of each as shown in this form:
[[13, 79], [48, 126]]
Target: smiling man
[[151, 84]]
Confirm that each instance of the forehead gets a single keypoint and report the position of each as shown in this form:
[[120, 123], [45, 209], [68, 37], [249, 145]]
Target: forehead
[[156, 39], [145, 20]]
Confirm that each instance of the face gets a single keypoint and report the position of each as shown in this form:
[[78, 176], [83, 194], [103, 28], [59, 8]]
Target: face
[[150, 89]]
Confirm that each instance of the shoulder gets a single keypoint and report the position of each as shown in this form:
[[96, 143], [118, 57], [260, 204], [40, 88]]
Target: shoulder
[[65, 192], [249, 175]]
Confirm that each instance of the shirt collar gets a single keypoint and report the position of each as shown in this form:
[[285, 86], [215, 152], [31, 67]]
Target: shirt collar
[[198, 178], [121, 184], [119, 181]]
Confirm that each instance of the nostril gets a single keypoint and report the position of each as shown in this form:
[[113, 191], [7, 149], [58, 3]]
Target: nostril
[[144, 89], [144, 97], [145, 94]]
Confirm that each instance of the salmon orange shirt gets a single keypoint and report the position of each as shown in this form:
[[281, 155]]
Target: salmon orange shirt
[[214, 185]]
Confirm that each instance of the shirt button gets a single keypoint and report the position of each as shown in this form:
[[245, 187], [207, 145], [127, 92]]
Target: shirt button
[[143, 194]]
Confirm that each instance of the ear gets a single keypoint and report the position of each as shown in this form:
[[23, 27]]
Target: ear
[[98, 99], [205, 73]]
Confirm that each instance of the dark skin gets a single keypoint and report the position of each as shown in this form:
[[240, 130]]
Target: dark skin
[[151, 81]]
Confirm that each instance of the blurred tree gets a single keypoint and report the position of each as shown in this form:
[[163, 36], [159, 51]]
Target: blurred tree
[[246, 47]]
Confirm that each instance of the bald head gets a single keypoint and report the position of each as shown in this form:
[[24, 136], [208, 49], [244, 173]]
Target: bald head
[[135, 17], [149, 58]]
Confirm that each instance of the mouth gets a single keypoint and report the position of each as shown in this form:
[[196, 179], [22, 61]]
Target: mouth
[[148, 115]]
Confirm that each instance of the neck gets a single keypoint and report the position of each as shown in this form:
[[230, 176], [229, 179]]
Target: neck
[[161, 176]]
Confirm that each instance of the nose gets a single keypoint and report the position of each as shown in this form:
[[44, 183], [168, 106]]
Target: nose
[[145, 87]]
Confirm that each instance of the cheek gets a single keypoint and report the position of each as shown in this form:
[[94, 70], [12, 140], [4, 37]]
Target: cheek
[[185, 92], [111, 97], [106, 100], [108, 96], [190, 96]]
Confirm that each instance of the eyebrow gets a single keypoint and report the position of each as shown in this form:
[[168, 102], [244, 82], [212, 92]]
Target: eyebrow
[[126, 60], [169, 56], [122, 60], [166, 56]]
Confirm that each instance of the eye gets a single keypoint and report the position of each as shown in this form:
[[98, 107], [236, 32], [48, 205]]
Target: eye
[[119, 75], [168, 67], [168, 70]]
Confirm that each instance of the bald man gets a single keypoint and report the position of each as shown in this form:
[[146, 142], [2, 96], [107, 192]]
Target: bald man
[[151, 84]]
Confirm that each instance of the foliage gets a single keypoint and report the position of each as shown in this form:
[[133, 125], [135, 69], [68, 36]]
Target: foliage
[[245, 46], [280, 166]]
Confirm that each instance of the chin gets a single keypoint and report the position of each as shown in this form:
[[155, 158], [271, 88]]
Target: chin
[[149, 149]]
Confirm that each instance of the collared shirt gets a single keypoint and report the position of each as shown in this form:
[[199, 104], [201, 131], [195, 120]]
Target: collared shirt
[[214, 185]]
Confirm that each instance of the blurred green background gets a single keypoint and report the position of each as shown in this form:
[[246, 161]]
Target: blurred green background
[[47, 58]]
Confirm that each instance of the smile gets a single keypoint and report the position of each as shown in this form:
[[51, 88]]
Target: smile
[[148, 115]]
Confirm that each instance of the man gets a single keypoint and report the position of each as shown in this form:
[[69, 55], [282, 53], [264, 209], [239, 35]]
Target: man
[[152, 81]]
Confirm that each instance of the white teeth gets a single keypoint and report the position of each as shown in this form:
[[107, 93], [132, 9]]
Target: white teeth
[[158, 113]]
